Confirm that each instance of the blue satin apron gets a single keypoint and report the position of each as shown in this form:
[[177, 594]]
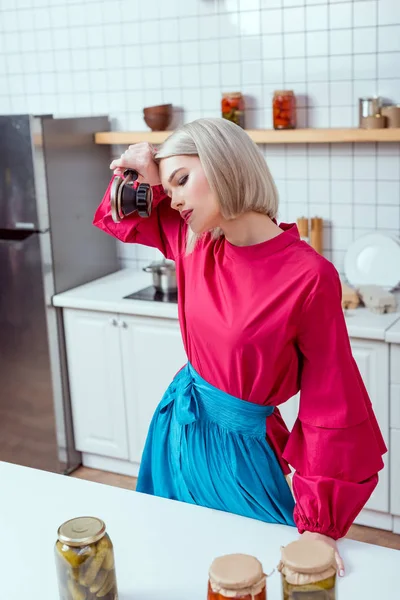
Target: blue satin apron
[[207, 447]]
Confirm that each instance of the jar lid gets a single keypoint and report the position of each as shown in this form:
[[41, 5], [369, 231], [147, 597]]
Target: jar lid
[[236, 571], [284, 92], [232, 94], [308, 556], [81, 531]]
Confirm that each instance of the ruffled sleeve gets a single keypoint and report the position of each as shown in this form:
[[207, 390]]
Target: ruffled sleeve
[[164, 229], [335, 446]]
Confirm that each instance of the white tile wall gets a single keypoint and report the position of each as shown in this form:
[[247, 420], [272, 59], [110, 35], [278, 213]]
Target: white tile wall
[[86, 57]]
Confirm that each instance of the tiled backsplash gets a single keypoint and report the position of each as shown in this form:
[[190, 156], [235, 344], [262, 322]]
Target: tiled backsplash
[[116, 56]]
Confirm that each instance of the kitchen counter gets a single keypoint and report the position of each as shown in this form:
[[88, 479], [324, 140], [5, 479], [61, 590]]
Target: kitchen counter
[[163, 548], [106, 294], [393, 335]]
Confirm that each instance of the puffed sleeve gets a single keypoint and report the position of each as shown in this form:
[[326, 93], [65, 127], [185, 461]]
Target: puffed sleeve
[[164, 229], [336, 445]]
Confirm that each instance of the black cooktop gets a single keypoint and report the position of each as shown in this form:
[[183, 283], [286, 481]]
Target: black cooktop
[[150, 294]]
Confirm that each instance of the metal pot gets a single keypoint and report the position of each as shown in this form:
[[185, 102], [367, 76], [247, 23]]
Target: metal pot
[[164, 276]]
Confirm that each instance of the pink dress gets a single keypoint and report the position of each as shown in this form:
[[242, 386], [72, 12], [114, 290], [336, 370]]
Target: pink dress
[[261, 323]]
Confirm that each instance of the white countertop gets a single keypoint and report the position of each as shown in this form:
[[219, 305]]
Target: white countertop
[[163, 548], [393, 335], [362, 323], [107, 294]]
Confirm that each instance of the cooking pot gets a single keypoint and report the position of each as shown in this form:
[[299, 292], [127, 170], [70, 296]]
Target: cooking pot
[[164, 275]]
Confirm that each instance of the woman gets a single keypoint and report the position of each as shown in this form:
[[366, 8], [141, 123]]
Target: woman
[[261, 317]]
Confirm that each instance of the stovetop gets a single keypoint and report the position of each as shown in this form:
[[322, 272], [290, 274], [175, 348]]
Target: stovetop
[[151, 295]]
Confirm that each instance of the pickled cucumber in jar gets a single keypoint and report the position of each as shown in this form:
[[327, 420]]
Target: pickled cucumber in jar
[[308, 570], [85, 561]]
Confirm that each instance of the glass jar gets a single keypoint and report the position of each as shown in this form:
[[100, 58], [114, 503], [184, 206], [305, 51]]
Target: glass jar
[[236, 576], [308, 570], [284, 109], [232, 107], [85, 561]]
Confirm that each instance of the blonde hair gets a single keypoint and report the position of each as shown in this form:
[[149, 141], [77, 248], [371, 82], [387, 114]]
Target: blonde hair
[[233, 165]]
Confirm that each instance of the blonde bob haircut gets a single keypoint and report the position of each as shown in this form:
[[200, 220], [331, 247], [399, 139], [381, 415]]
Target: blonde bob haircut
[[233, 165]]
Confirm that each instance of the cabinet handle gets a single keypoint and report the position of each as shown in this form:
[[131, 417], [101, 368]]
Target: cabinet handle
[[124, 324], [113, 322]]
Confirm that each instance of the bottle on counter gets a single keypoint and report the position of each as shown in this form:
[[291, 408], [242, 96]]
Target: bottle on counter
[[232, 107], [237, 576], [85, 561], [308, 570], [284, 109]]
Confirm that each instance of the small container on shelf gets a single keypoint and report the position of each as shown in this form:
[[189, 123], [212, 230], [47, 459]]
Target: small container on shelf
[[232, 107], [237, 576], [308, 570], [85, 561], [284, 109]]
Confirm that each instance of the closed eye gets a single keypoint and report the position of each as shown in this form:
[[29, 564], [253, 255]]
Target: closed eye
[[183, 180]]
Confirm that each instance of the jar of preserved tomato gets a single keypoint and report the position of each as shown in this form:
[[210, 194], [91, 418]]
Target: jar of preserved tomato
[[232, 107], [308, 570], [236, 576], [85, 561], [284, 109]]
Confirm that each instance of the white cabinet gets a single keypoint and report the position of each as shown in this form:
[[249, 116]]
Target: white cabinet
[[372, 358], [289, 411], [96, 384], [395, 472], [119, 367], [152, 353], [395, 434]]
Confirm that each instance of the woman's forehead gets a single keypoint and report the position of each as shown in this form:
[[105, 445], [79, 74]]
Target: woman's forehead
[[168, 165]]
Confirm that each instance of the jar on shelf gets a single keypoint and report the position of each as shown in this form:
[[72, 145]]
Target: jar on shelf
[[236, 576], [284, 109], [85, 560], [232, 107], [308, 570]]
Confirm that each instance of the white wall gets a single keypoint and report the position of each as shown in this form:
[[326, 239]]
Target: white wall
[[114, 57]]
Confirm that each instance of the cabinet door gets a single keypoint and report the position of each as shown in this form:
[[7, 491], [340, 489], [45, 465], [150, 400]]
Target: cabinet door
[[372, 358], [289, 411], [95, 376], [152, 351], [395, 472]]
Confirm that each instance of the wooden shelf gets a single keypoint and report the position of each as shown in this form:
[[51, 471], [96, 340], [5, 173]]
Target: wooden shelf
[[265, 136]]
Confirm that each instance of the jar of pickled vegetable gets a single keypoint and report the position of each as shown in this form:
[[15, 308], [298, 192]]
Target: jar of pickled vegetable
[[232, 107], [236, 576], [284, 110], [85, 561], [308, 570]]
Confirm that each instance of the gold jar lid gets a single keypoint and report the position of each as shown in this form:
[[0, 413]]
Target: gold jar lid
[[232, 94], [81, 531], [308, 556], [283, 93], [236, 572]]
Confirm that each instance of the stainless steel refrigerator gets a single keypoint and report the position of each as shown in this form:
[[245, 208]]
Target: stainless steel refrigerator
[[52, 177]]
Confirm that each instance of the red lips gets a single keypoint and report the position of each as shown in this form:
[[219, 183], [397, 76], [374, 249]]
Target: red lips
[[186, 214]]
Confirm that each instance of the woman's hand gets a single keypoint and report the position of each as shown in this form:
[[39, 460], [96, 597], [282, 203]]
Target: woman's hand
[[141, 158], [324, 538]]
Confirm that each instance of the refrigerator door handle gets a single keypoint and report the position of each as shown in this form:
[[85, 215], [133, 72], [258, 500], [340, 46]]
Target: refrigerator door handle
[[22, 225]]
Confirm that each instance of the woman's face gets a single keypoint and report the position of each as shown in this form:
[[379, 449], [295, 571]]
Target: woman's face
[[184, 181]]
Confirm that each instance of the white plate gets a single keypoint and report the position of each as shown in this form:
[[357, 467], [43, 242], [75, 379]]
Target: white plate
[[373, 259]]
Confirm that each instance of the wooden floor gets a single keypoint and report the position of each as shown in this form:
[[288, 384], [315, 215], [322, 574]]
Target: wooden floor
[[361, 534]]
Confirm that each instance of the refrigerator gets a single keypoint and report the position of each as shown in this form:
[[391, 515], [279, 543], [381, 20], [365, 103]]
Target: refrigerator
[[52, 177]]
